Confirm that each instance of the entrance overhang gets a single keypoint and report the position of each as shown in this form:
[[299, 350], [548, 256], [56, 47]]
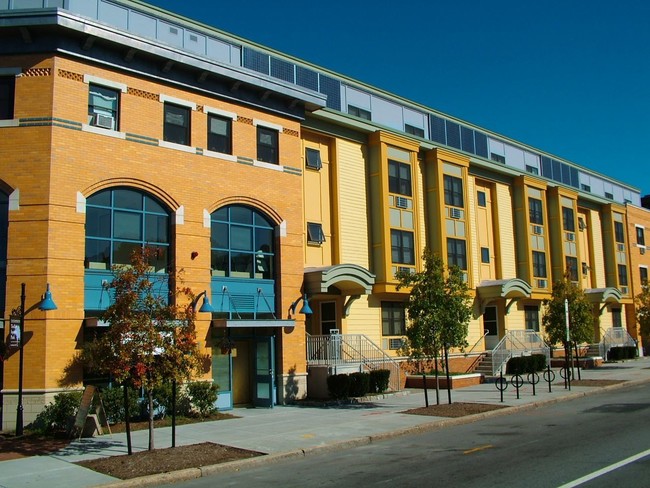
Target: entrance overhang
[[349, 279], [512, 289], [604, 296]]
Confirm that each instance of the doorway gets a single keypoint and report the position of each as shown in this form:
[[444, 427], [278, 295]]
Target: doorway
[[328, 320], [491, 325]]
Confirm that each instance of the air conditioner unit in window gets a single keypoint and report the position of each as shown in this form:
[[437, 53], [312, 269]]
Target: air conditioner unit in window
[[538, 229], [542, 283], [401, 202], [570, 236], [624, 290], [405, 269], [642, 250], [455, 213], [620, 247], [394, 344], [104, 121]]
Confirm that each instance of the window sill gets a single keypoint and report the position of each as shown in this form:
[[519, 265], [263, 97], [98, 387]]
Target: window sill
[[103, 132], [262, 164], [218, 155], [178, 147], [9, 123]]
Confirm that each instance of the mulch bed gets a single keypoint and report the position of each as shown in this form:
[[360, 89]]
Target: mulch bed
[[454, 410]]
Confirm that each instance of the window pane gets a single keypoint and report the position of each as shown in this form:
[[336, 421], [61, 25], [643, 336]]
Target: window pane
[[122, 252], [219, 236], [127, 199], [264, 239], [241, 215], [103, 198], [97, 254], [156, 228], [219, 262], [153, 206], [241, 238], [98, 222], [241, 263], [128, 225]]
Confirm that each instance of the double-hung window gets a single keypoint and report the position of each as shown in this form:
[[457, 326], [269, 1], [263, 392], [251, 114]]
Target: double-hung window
[[103, 107], [622, 275], [619, 232], [267, 145], [640, 236], [393, 318], [539, 264], [399, 178], [453, 191], [457, 253], [643, 274], [568, 219], [219, 134], [535, 211], [7, 95], [177, 124], [402, 247], [572, 267], [531, 313]]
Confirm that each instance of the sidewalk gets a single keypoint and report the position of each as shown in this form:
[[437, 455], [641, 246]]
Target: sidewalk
[[286, 431]]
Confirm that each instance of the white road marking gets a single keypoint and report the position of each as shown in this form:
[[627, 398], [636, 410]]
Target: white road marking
[[607, 469]]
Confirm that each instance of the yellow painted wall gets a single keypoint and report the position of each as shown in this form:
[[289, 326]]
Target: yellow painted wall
[[505, 232]]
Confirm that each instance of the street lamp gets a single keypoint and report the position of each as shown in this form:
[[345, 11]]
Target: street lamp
[[45, 304]]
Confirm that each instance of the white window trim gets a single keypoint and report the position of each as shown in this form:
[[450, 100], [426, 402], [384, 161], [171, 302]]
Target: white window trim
[[103, 132], [176, 101], [268, 125], [103, 82], [178, 147], [218, 155], [219, 112], [9, 123], [263, 164]]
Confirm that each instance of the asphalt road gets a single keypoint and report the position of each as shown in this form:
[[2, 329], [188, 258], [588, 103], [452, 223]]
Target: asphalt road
[[574, 443]]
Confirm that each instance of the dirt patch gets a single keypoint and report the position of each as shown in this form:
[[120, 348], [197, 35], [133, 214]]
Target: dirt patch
[[166, 460], [12, 447], [595, 383], [454, 409]]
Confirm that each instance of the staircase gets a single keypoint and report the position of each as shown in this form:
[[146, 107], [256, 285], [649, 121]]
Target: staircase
[[484, 366], [594, 350], [344, 353]]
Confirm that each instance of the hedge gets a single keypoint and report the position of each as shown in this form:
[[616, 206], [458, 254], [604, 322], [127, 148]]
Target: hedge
[[621, 352], [526, 364], [379, 379]]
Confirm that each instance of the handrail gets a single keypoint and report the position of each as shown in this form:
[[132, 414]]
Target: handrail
[[485, 332], [512, 345]]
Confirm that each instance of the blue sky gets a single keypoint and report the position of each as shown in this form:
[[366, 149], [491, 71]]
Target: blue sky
[[568, 77]]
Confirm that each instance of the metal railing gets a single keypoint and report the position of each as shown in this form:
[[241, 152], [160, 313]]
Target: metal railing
[[518, 343], [345, 350], [615, 337], [485, 332]]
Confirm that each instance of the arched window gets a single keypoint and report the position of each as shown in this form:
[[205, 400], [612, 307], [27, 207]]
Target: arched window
[[119, 220], [242, 243]]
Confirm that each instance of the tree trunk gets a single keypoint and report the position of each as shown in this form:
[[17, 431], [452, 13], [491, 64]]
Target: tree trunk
[[151, 430], [577, 361], [435, 360], [127, 420], [447, 371]]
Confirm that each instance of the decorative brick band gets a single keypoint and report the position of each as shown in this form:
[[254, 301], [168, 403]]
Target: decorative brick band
[[142, 94], [244, 120], [290, 132], [71, 75], [32, 72]]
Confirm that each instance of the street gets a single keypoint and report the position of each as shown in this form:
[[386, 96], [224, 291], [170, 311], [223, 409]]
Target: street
[[600, 440]]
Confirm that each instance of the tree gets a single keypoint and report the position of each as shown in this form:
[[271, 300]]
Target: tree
[[643, 311], [581, 317], [148, 341], [439, 311]]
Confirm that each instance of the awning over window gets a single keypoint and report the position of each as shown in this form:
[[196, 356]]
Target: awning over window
[[235, 323], [348, 279], [603, 295]]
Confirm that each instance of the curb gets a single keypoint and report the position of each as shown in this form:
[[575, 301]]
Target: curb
[[204, 471]]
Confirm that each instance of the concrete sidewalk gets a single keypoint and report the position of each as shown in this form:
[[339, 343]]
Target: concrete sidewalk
[[286, 431]]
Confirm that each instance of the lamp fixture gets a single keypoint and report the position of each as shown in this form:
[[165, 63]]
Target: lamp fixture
[[47, 303], [305, 309], [205, 306]]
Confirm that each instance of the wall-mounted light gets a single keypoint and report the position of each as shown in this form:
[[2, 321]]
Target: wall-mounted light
[[47, 303], [305, 309], [205, 306]]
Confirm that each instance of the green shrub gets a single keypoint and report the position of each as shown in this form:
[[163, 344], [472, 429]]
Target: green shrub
[[359, 384], [113, 400], [57, 415], [622, 352], [338, 386], [526, 364], [163, 401], [379, 379], [203, 396]]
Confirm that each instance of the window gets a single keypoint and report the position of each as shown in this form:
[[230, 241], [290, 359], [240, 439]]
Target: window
[[103, 107], [485, 255], [619, 232], [481, 199], [539, 264], [416, 131], [242, 243], [568, 219], [120, 220], [267, 145], [453, 191], [617, 318], [315, 233], [498, 158], [622, 275], [531, 313], [359, 112], [609, 195], [402, 247], [312, 158], [585, 268], [535, 211], [219, 134], [393, 318], [640, 236], [584, 187], [457, 253], [177, 124], [643, 273], [572, 267], [533, 170], [7, 95], [399, 178]]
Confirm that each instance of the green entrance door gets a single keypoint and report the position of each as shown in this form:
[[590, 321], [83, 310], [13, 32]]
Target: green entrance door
[[263, 391]]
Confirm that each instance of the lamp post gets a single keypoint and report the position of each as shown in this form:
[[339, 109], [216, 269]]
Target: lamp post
[[46, 303]]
